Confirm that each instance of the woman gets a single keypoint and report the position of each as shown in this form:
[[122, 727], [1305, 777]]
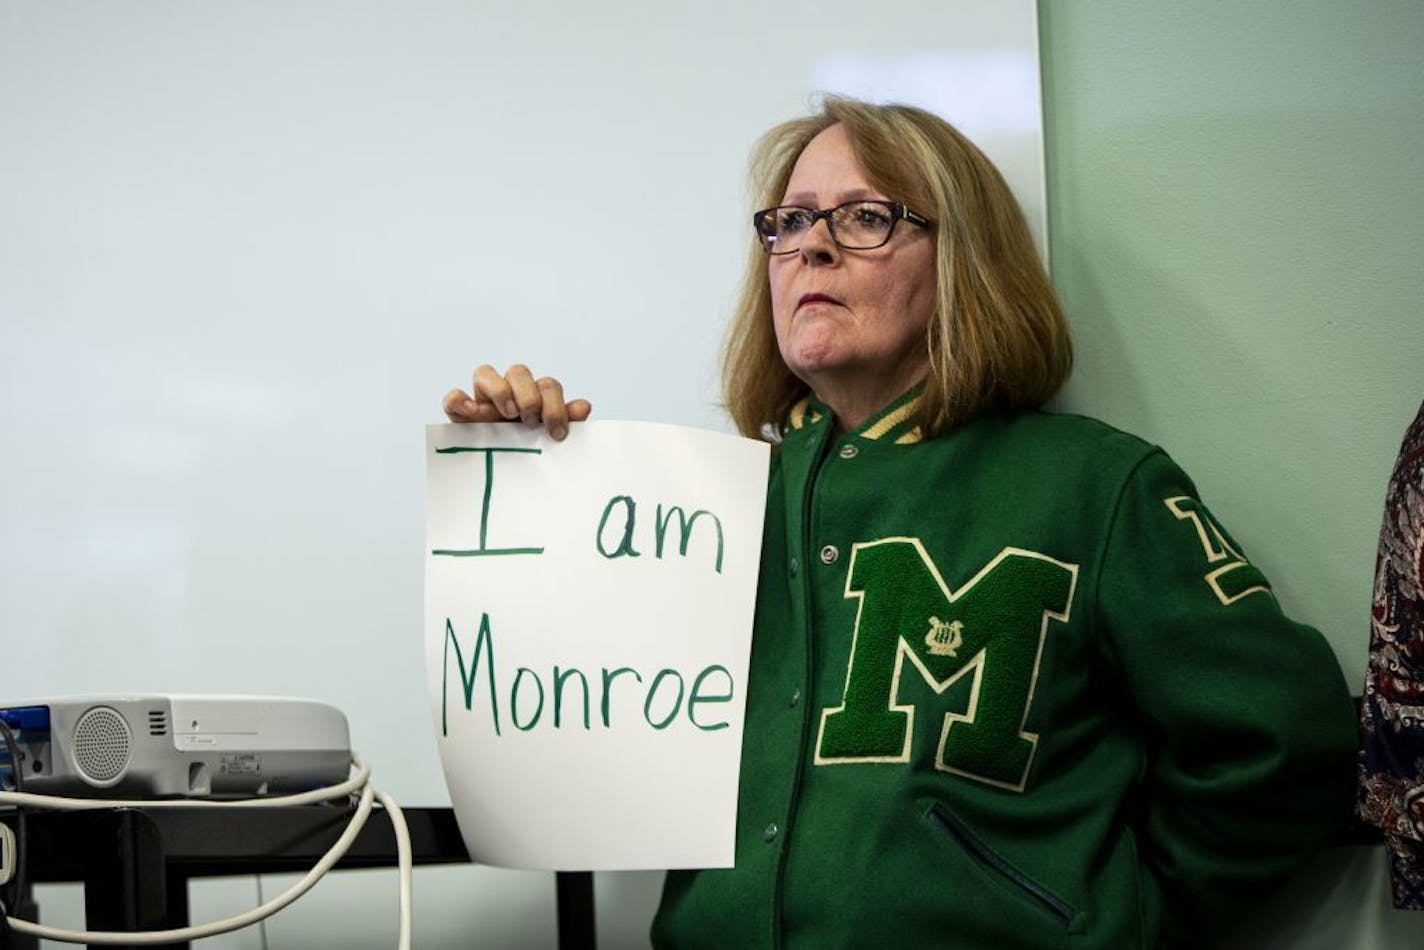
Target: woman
[[1011, 684]]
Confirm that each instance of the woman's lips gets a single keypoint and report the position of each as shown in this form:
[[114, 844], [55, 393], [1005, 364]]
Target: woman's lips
[[815, 298]]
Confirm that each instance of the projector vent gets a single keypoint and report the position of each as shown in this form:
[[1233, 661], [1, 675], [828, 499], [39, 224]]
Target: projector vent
[[102, 743], [157, 722]]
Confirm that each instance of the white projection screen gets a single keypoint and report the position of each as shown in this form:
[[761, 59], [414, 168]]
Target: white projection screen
[[245, 248]]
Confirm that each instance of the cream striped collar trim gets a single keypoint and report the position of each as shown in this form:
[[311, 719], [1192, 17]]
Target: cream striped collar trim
[[892, 420], [910, 438], [801, 411], [892, 426]]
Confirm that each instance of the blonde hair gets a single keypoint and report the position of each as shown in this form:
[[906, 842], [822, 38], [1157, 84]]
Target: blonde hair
[[997, 338]]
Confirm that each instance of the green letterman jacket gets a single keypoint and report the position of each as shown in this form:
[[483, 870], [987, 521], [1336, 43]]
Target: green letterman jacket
[[1012, 687]]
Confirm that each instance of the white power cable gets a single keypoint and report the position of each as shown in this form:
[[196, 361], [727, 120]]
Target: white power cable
[[360, 781], [405, 860], [261, 924], [9, 857], [351, 786]]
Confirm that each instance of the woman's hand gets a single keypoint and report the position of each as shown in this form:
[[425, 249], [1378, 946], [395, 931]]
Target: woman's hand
[[516, 395]]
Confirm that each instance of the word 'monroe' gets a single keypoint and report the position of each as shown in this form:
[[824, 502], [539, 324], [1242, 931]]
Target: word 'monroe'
[[532, 697]]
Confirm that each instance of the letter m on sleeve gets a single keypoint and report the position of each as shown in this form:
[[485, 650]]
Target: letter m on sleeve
[[991, 629]]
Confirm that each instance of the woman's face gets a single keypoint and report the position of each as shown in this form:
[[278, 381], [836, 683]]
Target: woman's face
[[851, 324]]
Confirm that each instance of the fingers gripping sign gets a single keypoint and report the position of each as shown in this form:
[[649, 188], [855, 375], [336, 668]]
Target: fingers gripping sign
[[515, 395]]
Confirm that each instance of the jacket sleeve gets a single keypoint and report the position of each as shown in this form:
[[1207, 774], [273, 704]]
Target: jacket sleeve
[[1247, 723]]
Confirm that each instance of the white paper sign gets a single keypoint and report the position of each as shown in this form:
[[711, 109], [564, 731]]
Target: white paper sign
[[588, 617]]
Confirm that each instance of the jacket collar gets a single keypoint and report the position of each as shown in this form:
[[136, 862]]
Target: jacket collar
[[895, 424]]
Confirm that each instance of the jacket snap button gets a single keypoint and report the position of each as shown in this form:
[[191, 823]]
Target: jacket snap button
[[830, 554], [772, 830], [849, 451]]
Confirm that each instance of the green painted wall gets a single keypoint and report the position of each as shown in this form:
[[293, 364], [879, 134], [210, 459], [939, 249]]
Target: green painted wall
[[1236, 220], [1236, 200]]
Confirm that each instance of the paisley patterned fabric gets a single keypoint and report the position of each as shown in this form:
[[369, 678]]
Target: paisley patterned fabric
[[1392, 715]]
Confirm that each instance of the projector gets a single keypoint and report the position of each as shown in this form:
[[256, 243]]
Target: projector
[[160, 746]]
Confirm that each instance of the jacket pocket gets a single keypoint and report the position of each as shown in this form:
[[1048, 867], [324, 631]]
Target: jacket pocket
[[941, 817]]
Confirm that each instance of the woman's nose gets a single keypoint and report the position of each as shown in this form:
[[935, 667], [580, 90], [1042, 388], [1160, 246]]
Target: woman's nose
[[817, 246]]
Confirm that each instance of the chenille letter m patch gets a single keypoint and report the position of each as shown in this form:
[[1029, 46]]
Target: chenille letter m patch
[[992, 629]]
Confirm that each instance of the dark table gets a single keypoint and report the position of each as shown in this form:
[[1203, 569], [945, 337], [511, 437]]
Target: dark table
[[135, 864]]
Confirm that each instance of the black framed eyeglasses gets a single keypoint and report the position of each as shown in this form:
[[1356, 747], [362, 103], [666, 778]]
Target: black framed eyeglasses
[[854, 226]]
